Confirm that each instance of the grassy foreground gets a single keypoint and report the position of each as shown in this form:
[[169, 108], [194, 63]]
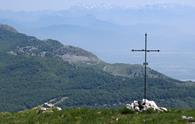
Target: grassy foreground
[[94, 116]]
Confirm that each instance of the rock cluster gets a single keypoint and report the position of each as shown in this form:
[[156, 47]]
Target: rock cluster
[[48, 106], [188, 118], [145, 105]]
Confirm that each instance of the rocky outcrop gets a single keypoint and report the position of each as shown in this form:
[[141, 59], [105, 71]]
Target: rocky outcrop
[[48, 48], [48, 107], [187, 118], [144, 105], [76, 55]]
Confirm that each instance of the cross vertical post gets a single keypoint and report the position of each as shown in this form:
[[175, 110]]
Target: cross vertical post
[[145, 67], [145, 64]]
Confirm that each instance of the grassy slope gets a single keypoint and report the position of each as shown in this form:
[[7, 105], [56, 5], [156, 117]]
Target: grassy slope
[[94, 116]]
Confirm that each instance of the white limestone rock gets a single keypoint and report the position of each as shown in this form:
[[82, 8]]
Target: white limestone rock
[[58, 108], [145, 105], [187, 117], [48, 107]]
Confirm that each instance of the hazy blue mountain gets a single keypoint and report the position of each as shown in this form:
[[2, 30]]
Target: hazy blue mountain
[[170, 29]]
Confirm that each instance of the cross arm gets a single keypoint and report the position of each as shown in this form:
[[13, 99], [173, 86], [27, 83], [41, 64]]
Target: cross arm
[[153, 50], [133, 50]]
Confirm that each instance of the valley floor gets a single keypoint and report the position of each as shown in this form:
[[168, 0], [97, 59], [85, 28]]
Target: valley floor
[[95, 116]]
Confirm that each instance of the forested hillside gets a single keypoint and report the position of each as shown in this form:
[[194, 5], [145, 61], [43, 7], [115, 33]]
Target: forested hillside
[[34, 71]]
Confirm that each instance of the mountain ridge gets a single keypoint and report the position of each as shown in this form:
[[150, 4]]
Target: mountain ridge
[[77, 55], [8, 28], [30, 78]]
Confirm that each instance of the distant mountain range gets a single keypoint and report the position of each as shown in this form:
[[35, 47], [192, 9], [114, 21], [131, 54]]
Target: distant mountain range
[[111, 33], [34, 71]]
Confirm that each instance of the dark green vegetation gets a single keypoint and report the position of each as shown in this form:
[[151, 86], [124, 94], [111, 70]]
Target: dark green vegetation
[[34, 71], [95, 116]]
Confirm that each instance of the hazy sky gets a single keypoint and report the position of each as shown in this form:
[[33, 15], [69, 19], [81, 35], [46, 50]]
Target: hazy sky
[[173, 25], [33, 5]]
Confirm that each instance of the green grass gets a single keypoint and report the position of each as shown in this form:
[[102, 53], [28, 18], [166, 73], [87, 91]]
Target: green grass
[[94, 116]]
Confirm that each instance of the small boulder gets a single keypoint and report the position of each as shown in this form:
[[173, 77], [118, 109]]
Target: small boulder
[[58, 108]]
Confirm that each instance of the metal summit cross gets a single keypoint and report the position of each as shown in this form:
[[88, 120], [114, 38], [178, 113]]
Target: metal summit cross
[[145, 64]]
